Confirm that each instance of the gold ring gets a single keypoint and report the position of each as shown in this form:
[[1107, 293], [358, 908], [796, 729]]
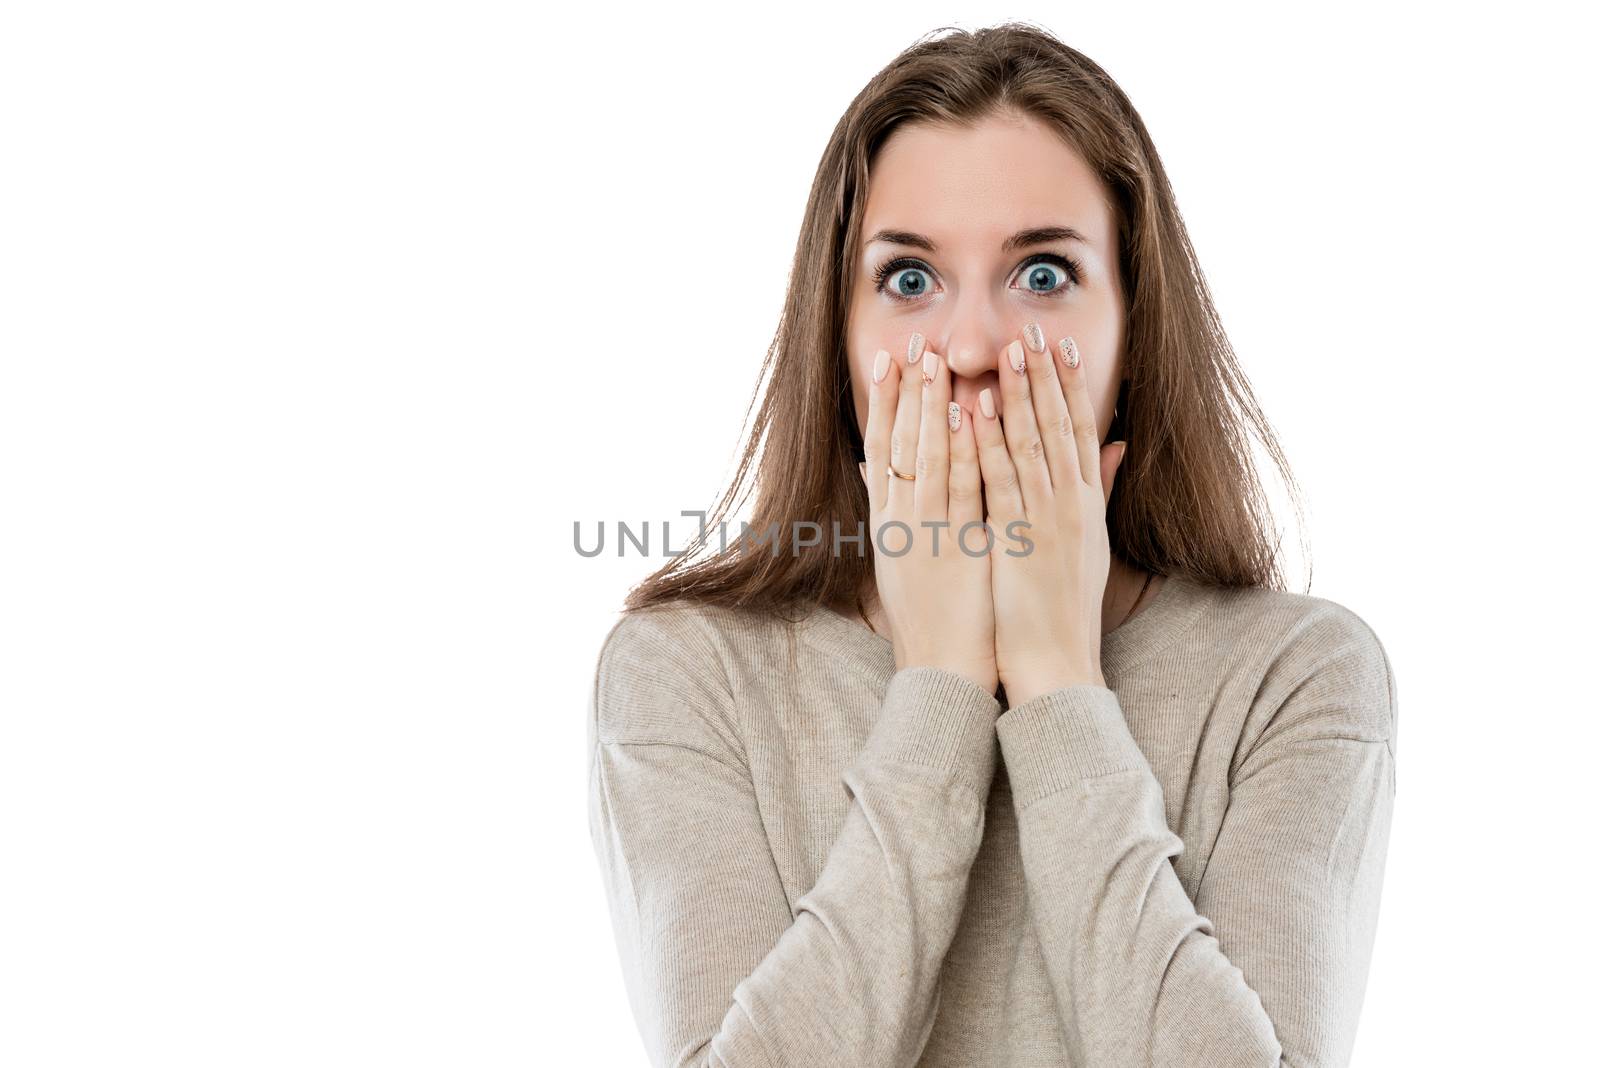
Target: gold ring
[[896, 474]]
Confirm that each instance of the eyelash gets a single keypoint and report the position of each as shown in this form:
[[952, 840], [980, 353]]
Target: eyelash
[[1072, 267]]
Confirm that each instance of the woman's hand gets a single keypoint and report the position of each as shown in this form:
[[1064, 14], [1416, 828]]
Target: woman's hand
[[1042, 464], [936, 596]]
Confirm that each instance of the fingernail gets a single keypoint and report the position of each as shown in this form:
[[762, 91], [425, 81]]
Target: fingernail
[[986, 402], [914, 350], [929, 362], [880, 365], [862, 467], [1034, 337], [1069, 352], [955, 417], [1018, 363]]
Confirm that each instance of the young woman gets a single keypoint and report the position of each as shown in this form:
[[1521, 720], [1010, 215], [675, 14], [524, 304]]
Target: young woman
[[1099, 791]]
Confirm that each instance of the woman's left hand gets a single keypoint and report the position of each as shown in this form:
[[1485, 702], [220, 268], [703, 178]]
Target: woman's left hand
[[1043, 465]]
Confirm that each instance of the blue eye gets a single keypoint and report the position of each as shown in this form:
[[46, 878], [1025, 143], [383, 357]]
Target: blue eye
[[910, 282], [1044, 275], [1050, 275]]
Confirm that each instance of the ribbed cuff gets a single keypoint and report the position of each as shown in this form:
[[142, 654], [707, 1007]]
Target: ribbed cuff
[[939, 719], [1063, 737]]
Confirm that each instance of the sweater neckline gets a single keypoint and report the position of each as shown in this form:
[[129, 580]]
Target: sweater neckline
[[1174, 608]]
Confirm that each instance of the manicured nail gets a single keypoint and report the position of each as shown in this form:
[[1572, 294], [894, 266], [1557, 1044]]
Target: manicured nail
[[862, 467], [1034, 337], [929, 363], [1069, 352], [955, 417], [914, 349], [1014, 352], [986, 402], [880, 365]]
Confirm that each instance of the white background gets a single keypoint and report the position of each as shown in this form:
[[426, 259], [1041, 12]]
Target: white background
[[323, 322]]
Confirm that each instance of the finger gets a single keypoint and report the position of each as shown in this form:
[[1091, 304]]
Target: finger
[[882, 393], [1022, 430], [931, 490], [966, 481], [914, 349], [1050, 407], [1085, 434], [1001, 491], [903, 442]]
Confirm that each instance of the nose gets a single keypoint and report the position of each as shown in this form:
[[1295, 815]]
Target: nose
[[974, 337], [971, 355]]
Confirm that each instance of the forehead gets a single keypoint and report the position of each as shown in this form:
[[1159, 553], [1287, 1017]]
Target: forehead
[[975, 187]]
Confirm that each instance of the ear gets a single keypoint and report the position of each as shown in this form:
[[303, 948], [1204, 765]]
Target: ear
[[1111, 455]]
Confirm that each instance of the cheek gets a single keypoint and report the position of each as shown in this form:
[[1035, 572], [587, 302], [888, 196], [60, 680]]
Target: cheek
[[860, 379], [1100, 341], [862, 341], [1105, 400], [1103, 393]]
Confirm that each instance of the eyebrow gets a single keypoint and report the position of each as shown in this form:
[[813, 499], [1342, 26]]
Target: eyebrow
[[1038, 235]]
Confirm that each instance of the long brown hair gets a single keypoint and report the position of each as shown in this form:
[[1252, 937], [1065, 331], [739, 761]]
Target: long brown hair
[[1186, 498]]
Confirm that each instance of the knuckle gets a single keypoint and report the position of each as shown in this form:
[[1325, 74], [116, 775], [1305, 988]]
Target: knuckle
[[963, 490], [995, 459]]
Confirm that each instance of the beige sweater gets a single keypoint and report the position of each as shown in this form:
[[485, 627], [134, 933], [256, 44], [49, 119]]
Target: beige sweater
[[814, 860]]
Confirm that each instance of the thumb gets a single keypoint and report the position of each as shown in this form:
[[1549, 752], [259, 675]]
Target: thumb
[[1110, 464]]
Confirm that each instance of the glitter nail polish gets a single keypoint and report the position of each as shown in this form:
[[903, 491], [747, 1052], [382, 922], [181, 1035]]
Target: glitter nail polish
[[914, 349], [1069, 352], [1034, 337]]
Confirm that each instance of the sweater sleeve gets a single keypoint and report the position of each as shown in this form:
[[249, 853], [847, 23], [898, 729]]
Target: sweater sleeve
[[1267, 965], [721, 968]]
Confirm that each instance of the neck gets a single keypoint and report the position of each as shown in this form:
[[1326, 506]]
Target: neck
[[1125, 591]]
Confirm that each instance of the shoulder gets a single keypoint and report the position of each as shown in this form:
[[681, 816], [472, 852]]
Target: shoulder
[[668, 674], [688, 642], [1322, 667]]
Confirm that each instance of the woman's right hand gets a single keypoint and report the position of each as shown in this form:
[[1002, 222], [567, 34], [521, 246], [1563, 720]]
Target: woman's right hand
[[937, 599]]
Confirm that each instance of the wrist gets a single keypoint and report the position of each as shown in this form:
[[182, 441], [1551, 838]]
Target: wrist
[[1024, 688], [981, 675]]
